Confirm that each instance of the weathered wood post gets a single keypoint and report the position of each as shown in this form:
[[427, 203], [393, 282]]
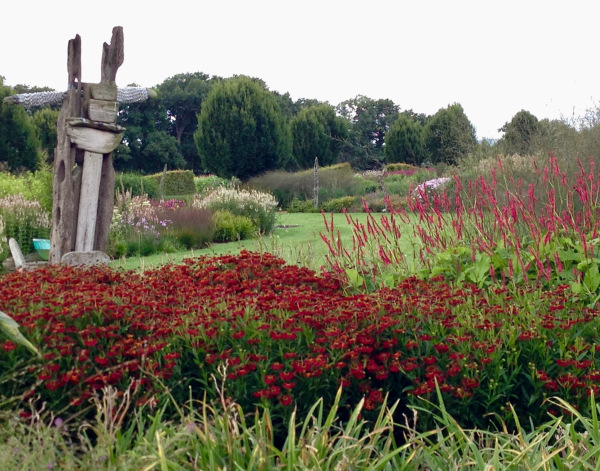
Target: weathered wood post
[[93, 132], [87, 134], [316, 184]]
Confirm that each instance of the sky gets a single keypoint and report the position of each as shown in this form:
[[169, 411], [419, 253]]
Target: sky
[[493, 57]]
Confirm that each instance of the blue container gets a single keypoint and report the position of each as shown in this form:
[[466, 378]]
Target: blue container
[[42, 247]]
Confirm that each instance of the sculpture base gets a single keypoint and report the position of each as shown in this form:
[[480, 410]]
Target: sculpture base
[[95, 257]]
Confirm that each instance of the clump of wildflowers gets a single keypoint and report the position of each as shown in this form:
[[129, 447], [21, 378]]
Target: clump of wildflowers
[[136, 215], [2, 238], [430, 186], [23, 220], [260, 207]]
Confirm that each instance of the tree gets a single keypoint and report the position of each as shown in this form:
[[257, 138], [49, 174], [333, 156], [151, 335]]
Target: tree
[[45, 121], [370, 119], [520, 133], [404, 141], [18, 142], [241, 130], [182, 96], [449, 135], [317, 132], [146, 145]]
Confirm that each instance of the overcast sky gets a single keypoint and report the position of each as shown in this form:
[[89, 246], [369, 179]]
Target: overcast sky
[[493, 57]]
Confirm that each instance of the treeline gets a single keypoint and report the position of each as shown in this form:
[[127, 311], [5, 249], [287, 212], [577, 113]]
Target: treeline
[[237, 127]]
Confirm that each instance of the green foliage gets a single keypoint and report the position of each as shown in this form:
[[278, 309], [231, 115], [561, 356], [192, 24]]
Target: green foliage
[[241, 130], [302, 206], [18, 141], [136, 184], [520, 134], [337, 205], [449, 135], [36, 186], [182, 96], [176, 182], [11, 330], [317, 132], [23, 220], [188, 226], [404, 142], [260, 207], [370, 120], [206, 183], [229, 227], [45, 121], [147, 146], [394, 166], [334, 181]]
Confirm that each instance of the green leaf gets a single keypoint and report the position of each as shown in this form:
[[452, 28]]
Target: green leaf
[[11, 329], [576, 287], [354, 278], [592, 278]]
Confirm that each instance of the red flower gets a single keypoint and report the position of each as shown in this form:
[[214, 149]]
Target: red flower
[[470, 383], [285, 400], [286, 375], [8, 346], [270, 379], [441, 347], [90, 342], [101, 361], [376, 395]]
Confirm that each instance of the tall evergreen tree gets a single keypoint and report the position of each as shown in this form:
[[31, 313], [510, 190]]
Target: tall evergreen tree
[[45, 121], [404, 141], [18, 141], [317, 132], [241, 130], [449, 135], [520, 133]]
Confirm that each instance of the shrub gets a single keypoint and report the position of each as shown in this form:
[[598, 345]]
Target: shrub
[[302, 206], [2, 237], [334, 181], [134, 218], [23, 220], [400, 166], [259, 207], [136, 184], [378, 202], [339, 204], [191, 227], [229, 227], [176, 182], [33, 186], [207, 183]]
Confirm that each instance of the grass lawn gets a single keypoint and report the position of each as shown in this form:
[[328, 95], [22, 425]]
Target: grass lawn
[[296, 240]]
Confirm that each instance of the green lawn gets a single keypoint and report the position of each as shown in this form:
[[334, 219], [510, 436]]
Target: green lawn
[[297, 242]]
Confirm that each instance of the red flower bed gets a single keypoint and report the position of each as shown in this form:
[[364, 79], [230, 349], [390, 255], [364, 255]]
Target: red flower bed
[[288, 336]]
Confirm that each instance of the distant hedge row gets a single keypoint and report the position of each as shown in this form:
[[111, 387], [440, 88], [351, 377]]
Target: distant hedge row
[[174, 183]]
